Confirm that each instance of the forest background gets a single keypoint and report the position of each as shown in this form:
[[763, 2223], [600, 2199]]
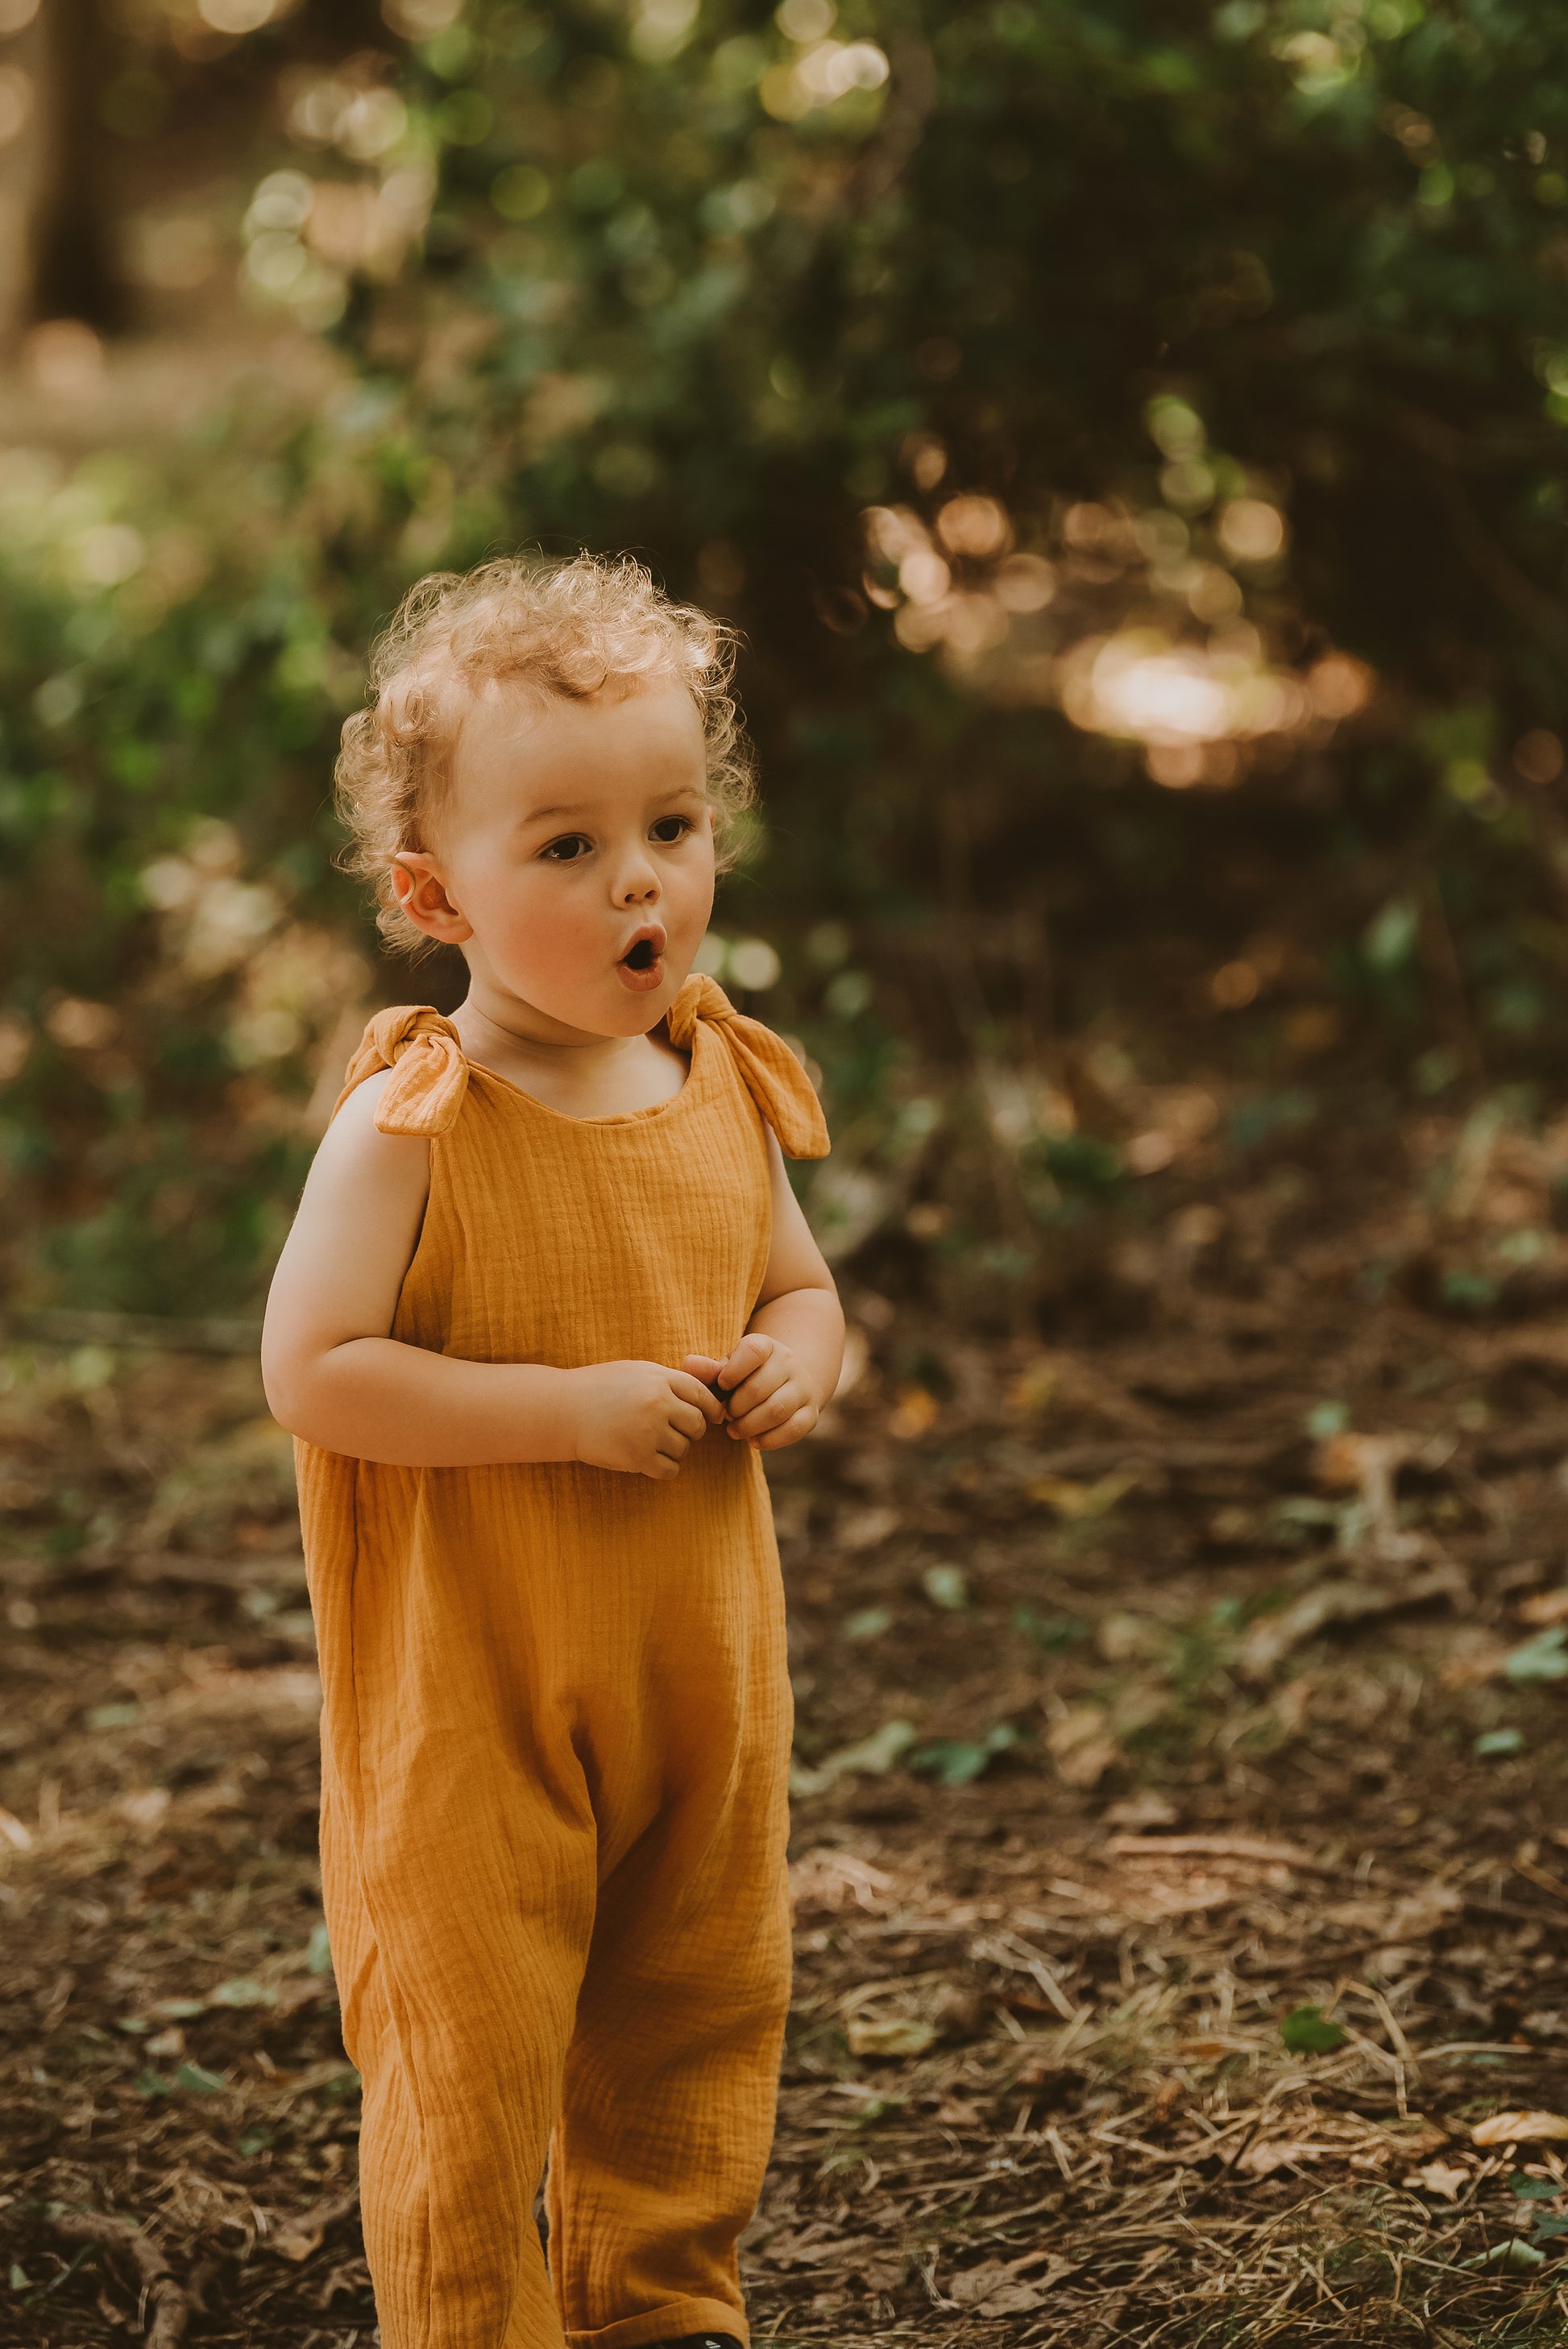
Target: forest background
[[1130, 439]]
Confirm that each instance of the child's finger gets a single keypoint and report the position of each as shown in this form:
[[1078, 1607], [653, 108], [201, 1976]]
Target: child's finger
[[749, 1355], [763, 1383], [771, 1412], [703, 1368], [691, 1421], [800, 1422], [690, 1390]]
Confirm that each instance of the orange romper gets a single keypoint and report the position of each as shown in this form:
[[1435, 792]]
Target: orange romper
[[556, 1727]]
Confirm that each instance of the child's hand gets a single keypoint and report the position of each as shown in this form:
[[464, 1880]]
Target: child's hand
[[639, 1417], [770, 1401]]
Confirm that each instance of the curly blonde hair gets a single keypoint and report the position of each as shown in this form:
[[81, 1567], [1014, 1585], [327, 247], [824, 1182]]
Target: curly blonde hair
[[566, 627]]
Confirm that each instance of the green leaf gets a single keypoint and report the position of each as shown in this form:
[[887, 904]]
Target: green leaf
[[1306, 2033], [946, 1587], [1051, 1632], [240, 1991], [1390, 937], [200, 2081], [1500, 1740], [1515, 2257], [868, 1623], [1544, 1657], [958, 1762], [318, 1956]]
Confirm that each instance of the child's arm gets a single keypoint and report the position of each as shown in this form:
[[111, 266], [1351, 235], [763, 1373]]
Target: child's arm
[[786, 1367], [334, 1376]]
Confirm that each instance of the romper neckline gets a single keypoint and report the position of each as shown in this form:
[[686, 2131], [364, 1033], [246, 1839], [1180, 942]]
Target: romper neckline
[[617, 1117]]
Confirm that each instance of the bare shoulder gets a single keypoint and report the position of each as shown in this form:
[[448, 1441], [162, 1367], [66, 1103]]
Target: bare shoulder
[[354, 1152], [343, 1264]]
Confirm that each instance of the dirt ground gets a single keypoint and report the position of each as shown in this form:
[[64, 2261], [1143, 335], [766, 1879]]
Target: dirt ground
[[1181, 1848]]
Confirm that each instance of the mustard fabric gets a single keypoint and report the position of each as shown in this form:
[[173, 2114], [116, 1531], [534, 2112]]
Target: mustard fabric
[[556, 1728]]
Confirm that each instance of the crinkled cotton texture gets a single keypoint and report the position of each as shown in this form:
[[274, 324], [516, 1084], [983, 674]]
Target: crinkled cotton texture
[[556, 1728]]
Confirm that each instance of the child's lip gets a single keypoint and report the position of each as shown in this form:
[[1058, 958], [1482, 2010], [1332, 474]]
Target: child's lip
[[643, 981]]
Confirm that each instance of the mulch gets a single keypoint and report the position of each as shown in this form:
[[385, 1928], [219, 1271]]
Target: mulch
[[1181, 1851]]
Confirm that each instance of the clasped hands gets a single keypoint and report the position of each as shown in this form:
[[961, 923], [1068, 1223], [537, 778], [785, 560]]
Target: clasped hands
[[643, 1419]]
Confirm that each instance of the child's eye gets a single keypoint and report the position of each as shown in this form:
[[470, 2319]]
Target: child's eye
[[671, 828], [567, 849]]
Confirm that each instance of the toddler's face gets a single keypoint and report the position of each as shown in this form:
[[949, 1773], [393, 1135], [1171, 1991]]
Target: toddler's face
[[574, 851]]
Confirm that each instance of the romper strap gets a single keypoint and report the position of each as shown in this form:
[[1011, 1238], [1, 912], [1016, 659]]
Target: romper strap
[[769, 1069], [427, 1092]]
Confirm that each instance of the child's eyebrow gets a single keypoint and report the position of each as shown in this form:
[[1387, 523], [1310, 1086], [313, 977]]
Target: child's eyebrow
[[579, 808]]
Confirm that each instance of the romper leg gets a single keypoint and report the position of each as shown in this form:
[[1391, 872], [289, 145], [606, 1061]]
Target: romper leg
[[672, 2077], [459, 1864], [459, 2021]]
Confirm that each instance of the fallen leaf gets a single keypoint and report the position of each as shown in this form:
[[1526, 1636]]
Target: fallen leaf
[[958, 1761], [1075, 1501], [995, 2289], [1545, 1607], [1440, 2177], [898, 2034], [240, 1991], [1266, 2155], [1424, 1912], [864, 1529], [297, 2238], [1544, 1657], [1079, 1747], [1121, 1638], [145, 1808], [196, 2077], [916, 1408], [1306, 2032], [1513, 2258], [871, 1756], [1520, 2128], [946, 1587]]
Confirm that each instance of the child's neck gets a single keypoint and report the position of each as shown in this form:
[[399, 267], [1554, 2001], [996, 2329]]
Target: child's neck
[[569, 1069]]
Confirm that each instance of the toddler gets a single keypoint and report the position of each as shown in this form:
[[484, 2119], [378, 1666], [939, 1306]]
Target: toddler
[[547, 1296]]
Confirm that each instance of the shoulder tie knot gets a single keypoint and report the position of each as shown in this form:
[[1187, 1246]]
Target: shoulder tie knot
[[430, 1077], [769, 1069]]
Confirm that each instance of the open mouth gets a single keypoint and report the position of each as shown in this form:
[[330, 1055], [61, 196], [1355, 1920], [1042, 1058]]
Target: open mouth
[[642, 966]]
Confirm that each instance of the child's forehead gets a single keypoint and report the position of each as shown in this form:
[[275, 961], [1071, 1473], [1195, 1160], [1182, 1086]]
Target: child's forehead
[[514, 734]]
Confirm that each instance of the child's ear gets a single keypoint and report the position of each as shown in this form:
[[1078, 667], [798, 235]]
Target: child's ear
[[421, 893]]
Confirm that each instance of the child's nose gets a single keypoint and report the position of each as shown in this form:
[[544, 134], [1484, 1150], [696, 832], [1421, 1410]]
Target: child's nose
[[639, 885]]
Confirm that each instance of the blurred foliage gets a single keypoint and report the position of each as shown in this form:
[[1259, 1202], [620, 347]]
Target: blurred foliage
[[1132, 440]]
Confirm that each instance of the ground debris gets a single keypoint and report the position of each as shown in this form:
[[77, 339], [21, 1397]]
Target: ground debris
[[1121, 1746]]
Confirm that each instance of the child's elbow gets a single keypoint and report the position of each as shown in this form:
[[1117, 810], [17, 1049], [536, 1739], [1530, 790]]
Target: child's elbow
[[285, 1382]]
